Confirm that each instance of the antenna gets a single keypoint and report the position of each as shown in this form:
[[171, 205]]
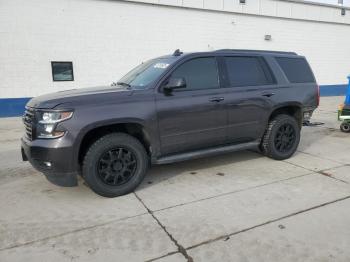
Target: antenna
[[177, 52]]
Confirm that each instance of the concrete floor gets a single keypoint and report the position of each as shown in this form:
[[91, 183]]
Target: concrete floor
[[235, 207]]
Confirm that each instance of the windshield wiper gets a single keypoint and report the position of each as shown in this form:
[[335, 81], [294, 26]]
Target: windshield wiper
[[123, 84]]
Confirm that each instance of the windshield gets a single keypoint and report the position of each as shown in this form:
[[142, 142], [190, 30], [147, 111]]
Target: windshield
[[145, 73]]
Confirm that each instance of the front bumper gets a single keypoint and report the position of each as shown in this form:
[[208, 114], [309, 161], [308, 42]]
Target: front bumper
[[56, 163]]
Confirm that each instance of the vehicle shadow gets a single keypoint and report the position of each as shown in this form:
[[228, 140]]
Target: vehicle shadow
[[312, 136], [160, 173]]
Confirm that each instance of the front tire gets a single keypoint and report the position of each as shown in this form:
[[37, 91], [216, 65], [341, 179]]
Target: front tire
[[115, 165], [281, 137]]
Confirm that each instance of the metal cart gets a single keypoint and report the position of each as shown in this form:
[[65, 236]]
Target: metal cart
[[344, 112]]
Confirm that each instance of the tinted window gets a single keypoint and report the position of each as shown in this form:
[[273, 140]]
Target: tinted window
[[248, 71], [297, 70], [62, 71], [199, 73]]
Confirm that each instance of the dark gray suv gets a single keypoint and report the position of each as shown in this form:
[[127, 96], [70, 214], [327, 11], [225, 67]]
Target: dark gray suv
[[172, 108]]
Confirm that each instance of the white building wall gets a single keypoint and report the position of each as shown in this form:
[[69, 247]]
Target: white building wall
[[293, 9], [104, 39]]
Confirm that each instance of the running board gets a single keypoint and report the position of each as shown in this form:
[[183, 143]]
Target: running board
[[205, 152]]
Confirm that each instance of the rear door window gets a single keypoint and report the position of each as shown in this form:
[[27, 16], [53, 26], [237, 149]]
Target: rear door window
[[248, 71], [296, 70]]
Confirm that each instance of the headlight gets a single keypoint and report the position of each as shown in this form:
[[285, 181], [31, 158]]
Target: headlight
[[48, 121], [54, 117]]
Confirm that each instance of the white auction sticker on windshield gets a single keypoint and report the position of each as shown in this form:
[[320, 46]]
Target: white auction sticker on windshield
[[161, 65]]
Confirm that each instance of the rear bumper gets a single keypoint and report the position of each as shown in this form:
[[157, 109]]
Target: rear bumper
[[56, 163]]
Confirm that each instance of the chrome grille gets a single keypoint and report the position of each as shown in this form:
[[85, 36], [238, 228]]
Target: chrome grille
[[28, 119]]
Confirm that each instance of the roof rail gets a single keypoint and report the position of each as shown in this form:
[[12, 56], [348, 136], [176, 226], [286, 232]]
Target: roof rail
[[255, 51], [177, 52]]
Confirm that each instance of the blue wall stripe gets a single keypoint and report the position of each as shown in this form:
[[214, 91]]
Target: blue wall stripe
[[15, 106], [333, 90], [12, 106]]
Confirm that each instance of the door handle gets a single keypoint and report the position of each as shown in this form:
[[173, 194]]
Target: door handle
[[268, 94], [216, 99]]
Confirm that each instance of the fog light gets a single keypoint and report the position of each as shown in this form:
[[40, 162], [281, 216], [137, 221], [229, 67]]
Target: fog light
[[48, 164]]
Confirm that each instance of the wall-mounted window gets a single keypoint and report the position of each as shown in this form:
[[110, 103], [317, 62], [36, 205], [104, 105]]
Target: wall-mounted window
[[62, 71]]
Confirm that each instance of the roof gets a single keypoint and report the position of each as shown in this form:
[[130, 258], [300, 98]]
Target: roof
[[255, 51], [178, 54]]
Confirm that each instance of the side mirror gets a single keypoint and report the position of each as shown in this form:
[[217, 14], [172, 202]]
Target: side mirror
[[175, 83]]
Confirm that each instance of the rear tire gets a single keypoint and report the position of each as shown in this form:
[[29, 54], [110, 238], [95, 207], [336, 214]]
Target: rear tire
[[345, 127], [281, 137], [115, 165]]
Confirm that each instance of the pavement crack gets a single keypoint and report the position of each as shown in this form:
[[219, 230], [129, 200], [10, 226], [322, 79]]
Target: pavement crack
[[324, 173], [315, 171], [166, 255], [227, 236], [69, 232], [180, 248], [233, 192], [322, 157]]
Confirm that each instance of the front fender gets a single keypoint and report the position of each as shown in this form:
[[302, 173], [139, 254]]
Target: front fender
[[107, 122]]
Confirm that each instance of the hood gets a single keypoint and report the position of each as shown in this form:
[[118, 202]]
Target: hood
[[73, 96]]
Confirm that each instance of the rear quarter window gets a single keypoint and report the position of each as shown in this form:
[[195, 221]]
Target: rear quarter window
[[297, 70]]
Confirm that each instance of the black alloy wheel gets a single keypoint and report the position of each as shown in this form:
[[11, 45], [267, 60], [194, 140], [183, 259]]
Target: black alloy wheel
[[117, 166], [281, 137], [285, 138]]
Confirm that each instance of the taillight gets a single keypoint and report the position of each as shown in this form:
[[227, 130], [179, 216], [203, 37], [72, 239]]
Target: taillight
[[318, 95]]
